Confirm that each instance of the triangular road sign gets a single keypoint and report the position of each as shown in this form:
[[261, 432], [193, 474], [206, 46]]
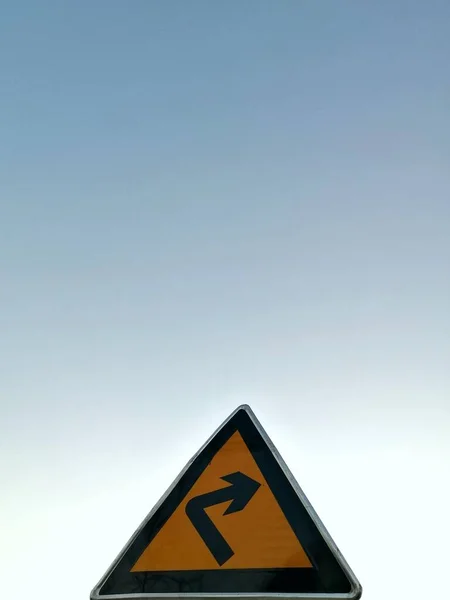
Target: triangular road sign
[[235, 523]]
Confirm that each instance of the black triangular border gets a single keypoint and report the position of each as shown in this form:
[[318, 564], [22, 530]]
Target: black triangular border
[[329, 577]]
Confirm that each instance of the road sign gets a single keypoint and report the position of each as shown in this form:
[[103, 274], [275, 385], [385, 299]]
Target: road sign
[[234, 524]]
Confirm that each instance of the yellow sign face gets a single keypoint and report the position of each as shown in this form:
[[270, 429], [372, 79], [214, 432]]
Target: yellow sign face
[[258, 534], [233, 523]]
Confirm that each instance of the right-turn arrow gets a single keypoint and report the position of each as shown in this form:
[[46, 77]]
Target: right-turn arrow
[[240, 492]]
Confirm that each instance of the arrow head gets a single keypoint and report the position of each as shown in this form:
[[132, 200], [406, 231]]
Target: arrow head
[[244, 489]]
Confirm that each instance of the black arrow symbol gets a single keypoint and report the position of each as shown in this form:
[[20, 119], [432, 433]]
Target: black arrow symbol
[[241, 491]]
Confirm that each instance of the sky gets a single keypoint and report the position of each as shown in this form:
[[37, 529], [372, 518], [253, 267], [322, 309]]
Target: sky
[[204, 204]]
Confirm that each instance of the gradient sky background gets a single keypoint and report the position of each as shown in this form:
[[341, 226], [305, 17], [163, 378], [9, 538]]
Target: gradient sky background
[[209, 203]]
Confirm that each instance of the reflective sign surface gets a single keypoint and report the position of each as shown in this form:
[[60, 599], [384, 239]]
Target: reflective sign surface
[[235, 522]]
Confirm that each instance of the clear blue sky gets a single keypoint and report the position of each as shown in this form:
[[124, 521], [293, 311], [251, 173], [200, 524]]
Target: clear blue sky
[[208, 203]]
